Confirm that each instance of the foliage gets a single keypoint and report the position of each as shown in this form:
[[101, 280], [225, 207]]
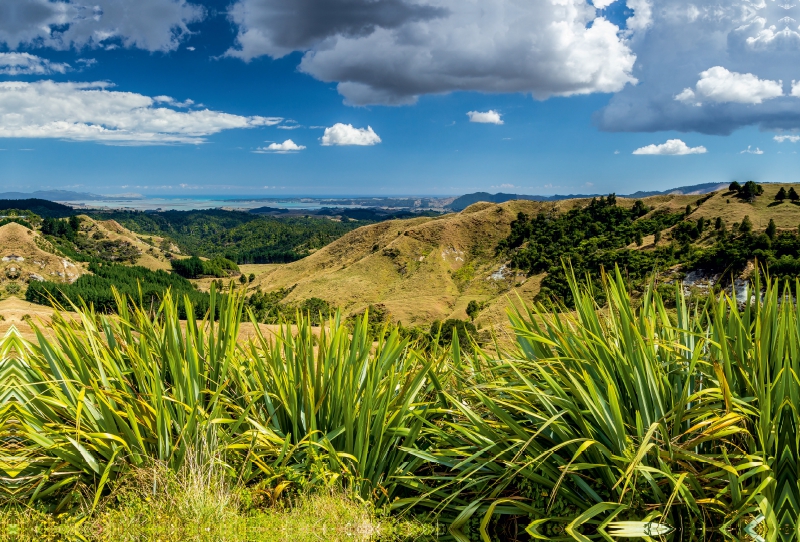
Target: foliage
[[303, 408], [145, 286], [591, 237], [194, 267], [40, 207], [749, 191], [620, 417], [444, 332], [244, 238], [473, 309]]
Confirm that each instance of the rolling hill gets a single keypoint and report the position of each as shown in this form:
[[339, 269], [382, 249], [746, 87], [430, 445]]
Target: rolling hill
[[427, 269]]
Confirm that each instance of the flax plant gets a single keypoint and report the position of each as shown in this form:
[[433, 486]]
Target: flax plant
[[630, 417]]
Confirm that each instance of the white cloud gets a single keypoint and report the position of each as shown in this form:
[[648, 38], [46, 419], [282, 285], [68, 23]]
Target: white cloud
[[27, 64], [286, 147], [290, 126], [393, 51], [673, 147], [92, 112], [489, 117], [750, 150], [602, 4], [744, 51], [345, 134], [718, 84], [789, 138], [153, 25]]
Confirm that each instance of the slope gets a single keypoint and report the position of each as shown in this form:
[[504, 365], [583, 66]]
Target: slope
[[27, 256]]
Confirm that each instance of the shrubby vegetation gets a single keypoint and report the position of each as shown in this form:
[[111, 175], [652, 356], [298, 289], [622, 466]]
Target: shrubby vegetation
[[599, 236], [591, 238], [617, 418], [67, 237]]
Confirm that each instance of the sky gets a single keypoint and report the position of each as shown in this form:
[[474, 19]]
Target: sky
[[272, 98]]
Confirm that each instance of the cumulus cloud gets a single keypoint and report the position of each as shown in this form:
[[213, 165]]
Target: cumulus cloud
[[393, 51], [276, 27], [27, 64], [153, 25], [94, 112], [286, 147], [751, 150], [789, 138], [673, 147], [720, 85], [345, 134], [489, 117], [743, 52]]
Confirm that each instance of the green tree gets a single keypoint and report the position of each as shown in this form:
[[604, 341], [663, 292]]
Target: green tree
[[473, 310], [719, 224], [242, 279], [190, 268], [746, 226], [772, 230], [701, 225], [688, 210], [793, 195], [657, 237], [639, 240], [750, 191], [781, 195], [251, 278], [734, 187]]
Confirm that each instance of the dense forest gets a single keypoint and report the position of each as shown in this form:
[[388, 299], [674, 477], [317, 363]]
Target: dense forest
[[243, 238], [43, 208], [138, 283]]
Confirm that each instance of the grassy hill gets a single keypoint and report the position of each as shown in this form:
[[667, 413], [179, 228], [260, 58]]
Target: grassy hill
[[423, 269], [420, 270], [428, 269], [25, 255]]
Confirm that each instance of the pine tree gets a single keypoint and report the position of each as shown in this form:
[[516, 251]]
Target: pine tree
[[718, 225], [772, 230], [701, 224], [734, 187], [657, 237], [793, 195], [746, 226], [688, 210], [781, 195], [639, 240]]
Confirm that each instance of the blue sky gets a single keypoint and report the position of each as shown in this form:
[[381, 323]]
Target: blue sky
[[567, 90]]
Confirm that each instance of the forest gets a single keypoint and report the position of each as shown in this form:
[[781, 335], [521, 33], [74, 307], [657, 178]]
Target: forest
[[244, 238]]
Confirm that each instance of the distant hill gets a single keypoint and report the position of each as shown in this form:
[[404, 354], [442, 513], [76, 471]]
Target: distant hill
[[43, 208], [461, 203], [51, 195], [65, 195]]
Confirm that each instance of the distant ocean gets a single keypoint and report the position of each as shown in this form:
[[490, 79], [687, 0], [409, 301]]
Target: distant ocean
[[196, 203]]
